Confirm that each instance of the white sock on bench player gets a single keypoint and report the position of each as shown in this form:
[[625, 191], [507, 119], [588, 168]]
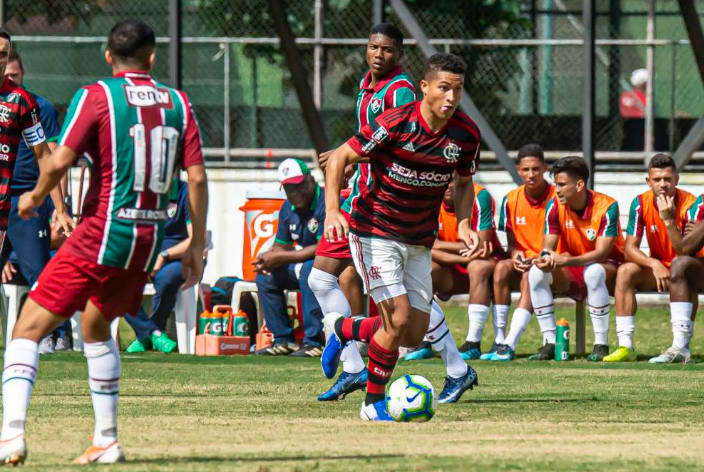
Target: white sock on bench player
[[543, 302], [598, 296]]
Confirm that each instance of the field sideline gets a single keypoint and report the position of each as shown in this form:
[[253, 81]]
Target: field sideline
[[260, 413]]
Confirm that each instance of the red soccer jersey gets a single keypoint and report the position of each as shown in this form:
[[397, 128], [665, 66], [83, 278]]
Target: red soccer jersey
[[19, 116], [411, 168]]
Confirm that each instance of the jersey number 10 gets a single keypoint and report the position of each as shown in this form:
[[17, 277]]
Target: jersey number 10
[[162, 156]]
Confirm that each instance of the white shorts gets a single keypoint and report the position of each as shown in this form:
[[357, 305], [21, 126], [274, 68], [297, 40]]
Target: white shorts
[[392, 268]]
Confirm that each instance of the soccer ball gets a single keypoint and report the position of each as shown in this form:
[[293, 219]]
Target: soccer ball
[[411, 398]]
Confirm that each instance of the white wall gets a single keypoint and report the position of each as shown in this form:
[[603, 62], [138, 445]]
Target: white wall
[[227, 188]]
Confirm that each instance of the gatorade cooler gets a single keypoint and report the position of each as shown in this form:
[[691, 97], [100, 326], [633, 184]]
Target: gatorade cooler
[[261, 220]]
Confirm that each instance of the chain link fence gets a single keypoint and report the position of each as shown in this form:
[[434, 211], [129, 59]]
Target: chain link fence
[[524, 57]]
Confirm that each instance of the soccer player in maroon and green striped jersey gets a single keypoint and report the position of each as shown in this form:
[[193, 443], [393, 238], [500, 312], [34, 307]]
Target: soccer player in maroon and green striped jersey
[[414, 152], [137, 132]]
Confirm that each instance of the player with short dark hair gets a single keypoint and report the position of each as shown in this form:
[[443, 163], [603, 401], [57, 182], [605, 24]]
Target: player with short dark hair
[[585, 224], [136, 132], [414, 152], [384, 86], [521, 217], [640, 271], [686, 272]]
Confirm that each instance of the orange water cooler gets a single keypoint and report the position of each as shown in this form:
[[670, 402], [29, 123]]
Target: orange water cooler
[[261, 220]]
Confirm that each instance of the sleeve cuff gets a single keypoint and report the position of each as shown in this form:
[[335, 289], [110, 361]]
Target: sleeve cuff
[[355, 145], [281, 241]]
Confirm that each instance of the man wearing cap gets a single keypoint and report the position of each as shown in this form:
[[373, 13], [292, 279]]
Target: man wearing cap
[[631, 105], [289, 262]]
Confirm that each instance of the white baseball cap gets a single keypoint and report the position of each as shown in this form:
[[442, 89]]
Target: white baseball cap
[[292, 171], [639, 77]]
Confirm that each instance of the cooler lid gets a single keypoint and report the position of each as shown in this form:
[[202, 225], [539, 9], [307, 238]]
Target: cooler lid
[[265, 194]]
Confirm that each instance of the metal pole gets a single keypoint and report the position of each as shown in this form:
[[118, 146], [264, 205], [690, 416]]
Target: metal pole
[[254, 110], [175, 73], [546, 69], [226, 101], [650, 86], [673, 84], [466, 103], [588, 108], [318, 56], [2, 12], [378, 11]]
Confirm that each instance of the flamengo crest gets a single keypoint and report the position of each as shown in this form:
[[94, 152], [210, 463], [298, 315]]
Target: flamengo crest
[[451, 152]]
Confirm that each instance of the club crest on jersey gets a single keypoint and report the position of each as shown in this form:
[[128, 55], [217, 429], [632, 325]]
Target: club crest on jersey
[[4, 114], [376, 104], [147, 96], [171, 210], [591, 234], [313, 225], [451, 152]]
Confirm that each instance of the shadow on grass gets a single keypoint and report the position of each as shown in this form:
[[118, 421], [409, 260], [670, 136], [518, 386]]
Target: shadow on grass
[[206, 459]]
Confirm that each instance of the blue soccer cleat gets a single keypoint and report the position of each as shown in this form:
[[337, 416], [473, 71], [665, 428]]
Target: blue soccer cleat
[[455, 387], [422, 352], [470, 350], [375, 412], [330, 358], [504, 353], [487, 356], [346, 383]]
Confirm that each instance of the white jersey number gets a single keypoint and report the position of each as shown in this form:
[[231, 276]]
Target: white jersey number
[[162, 156]]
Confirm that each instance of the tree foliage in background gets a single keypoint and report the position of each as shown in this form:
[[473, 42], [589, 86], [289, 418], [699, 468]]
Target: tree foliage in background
[[77, 10]]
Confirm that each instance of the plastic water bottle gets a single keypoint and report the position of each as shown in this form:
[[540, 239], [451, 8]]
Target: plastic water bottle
[[562, 340]]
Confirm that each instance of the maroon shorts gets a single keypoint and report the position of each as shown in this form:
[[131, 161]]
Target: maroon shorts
[[68, 282], [335, 249]]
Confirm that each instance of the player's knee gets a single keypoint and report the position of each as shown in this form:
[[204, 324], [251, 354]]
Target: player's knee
[[537, 277], [594, 276], [321, 282], [679, 268], [480, 269], [503, 270], [626, 275]]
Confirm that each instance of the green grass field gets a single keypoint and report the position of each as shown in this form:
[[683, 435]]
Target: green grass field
[[260, 413]]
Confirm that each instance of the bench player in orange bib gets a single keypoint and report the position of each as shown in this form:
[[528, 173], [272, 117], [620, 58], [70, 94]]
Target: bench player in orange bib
[[643, 272], [586, 225], [521, 217]]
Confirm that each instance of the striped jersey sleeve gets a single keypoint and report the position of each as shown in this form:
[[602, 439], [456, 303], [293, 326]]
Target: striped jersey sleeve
[[635, 219], [29, 120], [192, 153], [696, 211], [485, 207], [81, 121], [372, 137], [504, 217], [552, 219], [609, 222], [398, 95]]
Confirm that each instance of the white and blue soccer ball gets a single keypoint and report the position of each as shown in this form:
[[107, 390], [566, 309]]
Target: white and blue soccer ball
[[411, 398]]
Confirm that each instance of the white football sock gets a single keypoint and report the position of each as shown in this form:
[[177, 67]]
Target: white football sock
[[441, 340], [543, 302], [104, 380], [500, 318], [478, 314], [351, 359], [598, 296], [519, 322], [625, 327], [21, 362], [682, 324], [331, 299]]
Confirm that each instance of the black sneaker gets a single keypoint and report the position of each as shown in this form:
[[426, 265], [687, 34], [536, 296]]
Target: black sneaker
[[278, 349], [307, 351], [546, 353], [598, 352]]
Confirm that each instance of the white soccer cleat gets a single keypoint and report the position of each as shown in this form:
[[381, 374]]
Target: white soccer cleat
[[13, 451], [672, 355], [109, 454]]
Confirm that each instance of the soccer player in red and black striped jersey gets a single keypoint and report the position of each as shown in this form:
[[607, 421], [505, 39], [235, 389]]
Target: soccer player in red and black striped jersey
[[414, 152]]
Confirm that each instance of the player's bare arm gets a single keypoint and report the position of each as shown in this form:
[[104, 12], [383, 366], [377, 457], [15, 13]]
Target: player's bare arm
[[42, 153], [464, 201], [336, 225], [634, 253], [683, 246], [53, 168], [192, 261]]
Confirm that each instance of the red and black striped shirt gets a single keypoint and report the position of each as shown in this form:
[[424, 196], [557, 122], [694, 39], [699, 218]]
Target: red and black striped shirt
[[411, 167]]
